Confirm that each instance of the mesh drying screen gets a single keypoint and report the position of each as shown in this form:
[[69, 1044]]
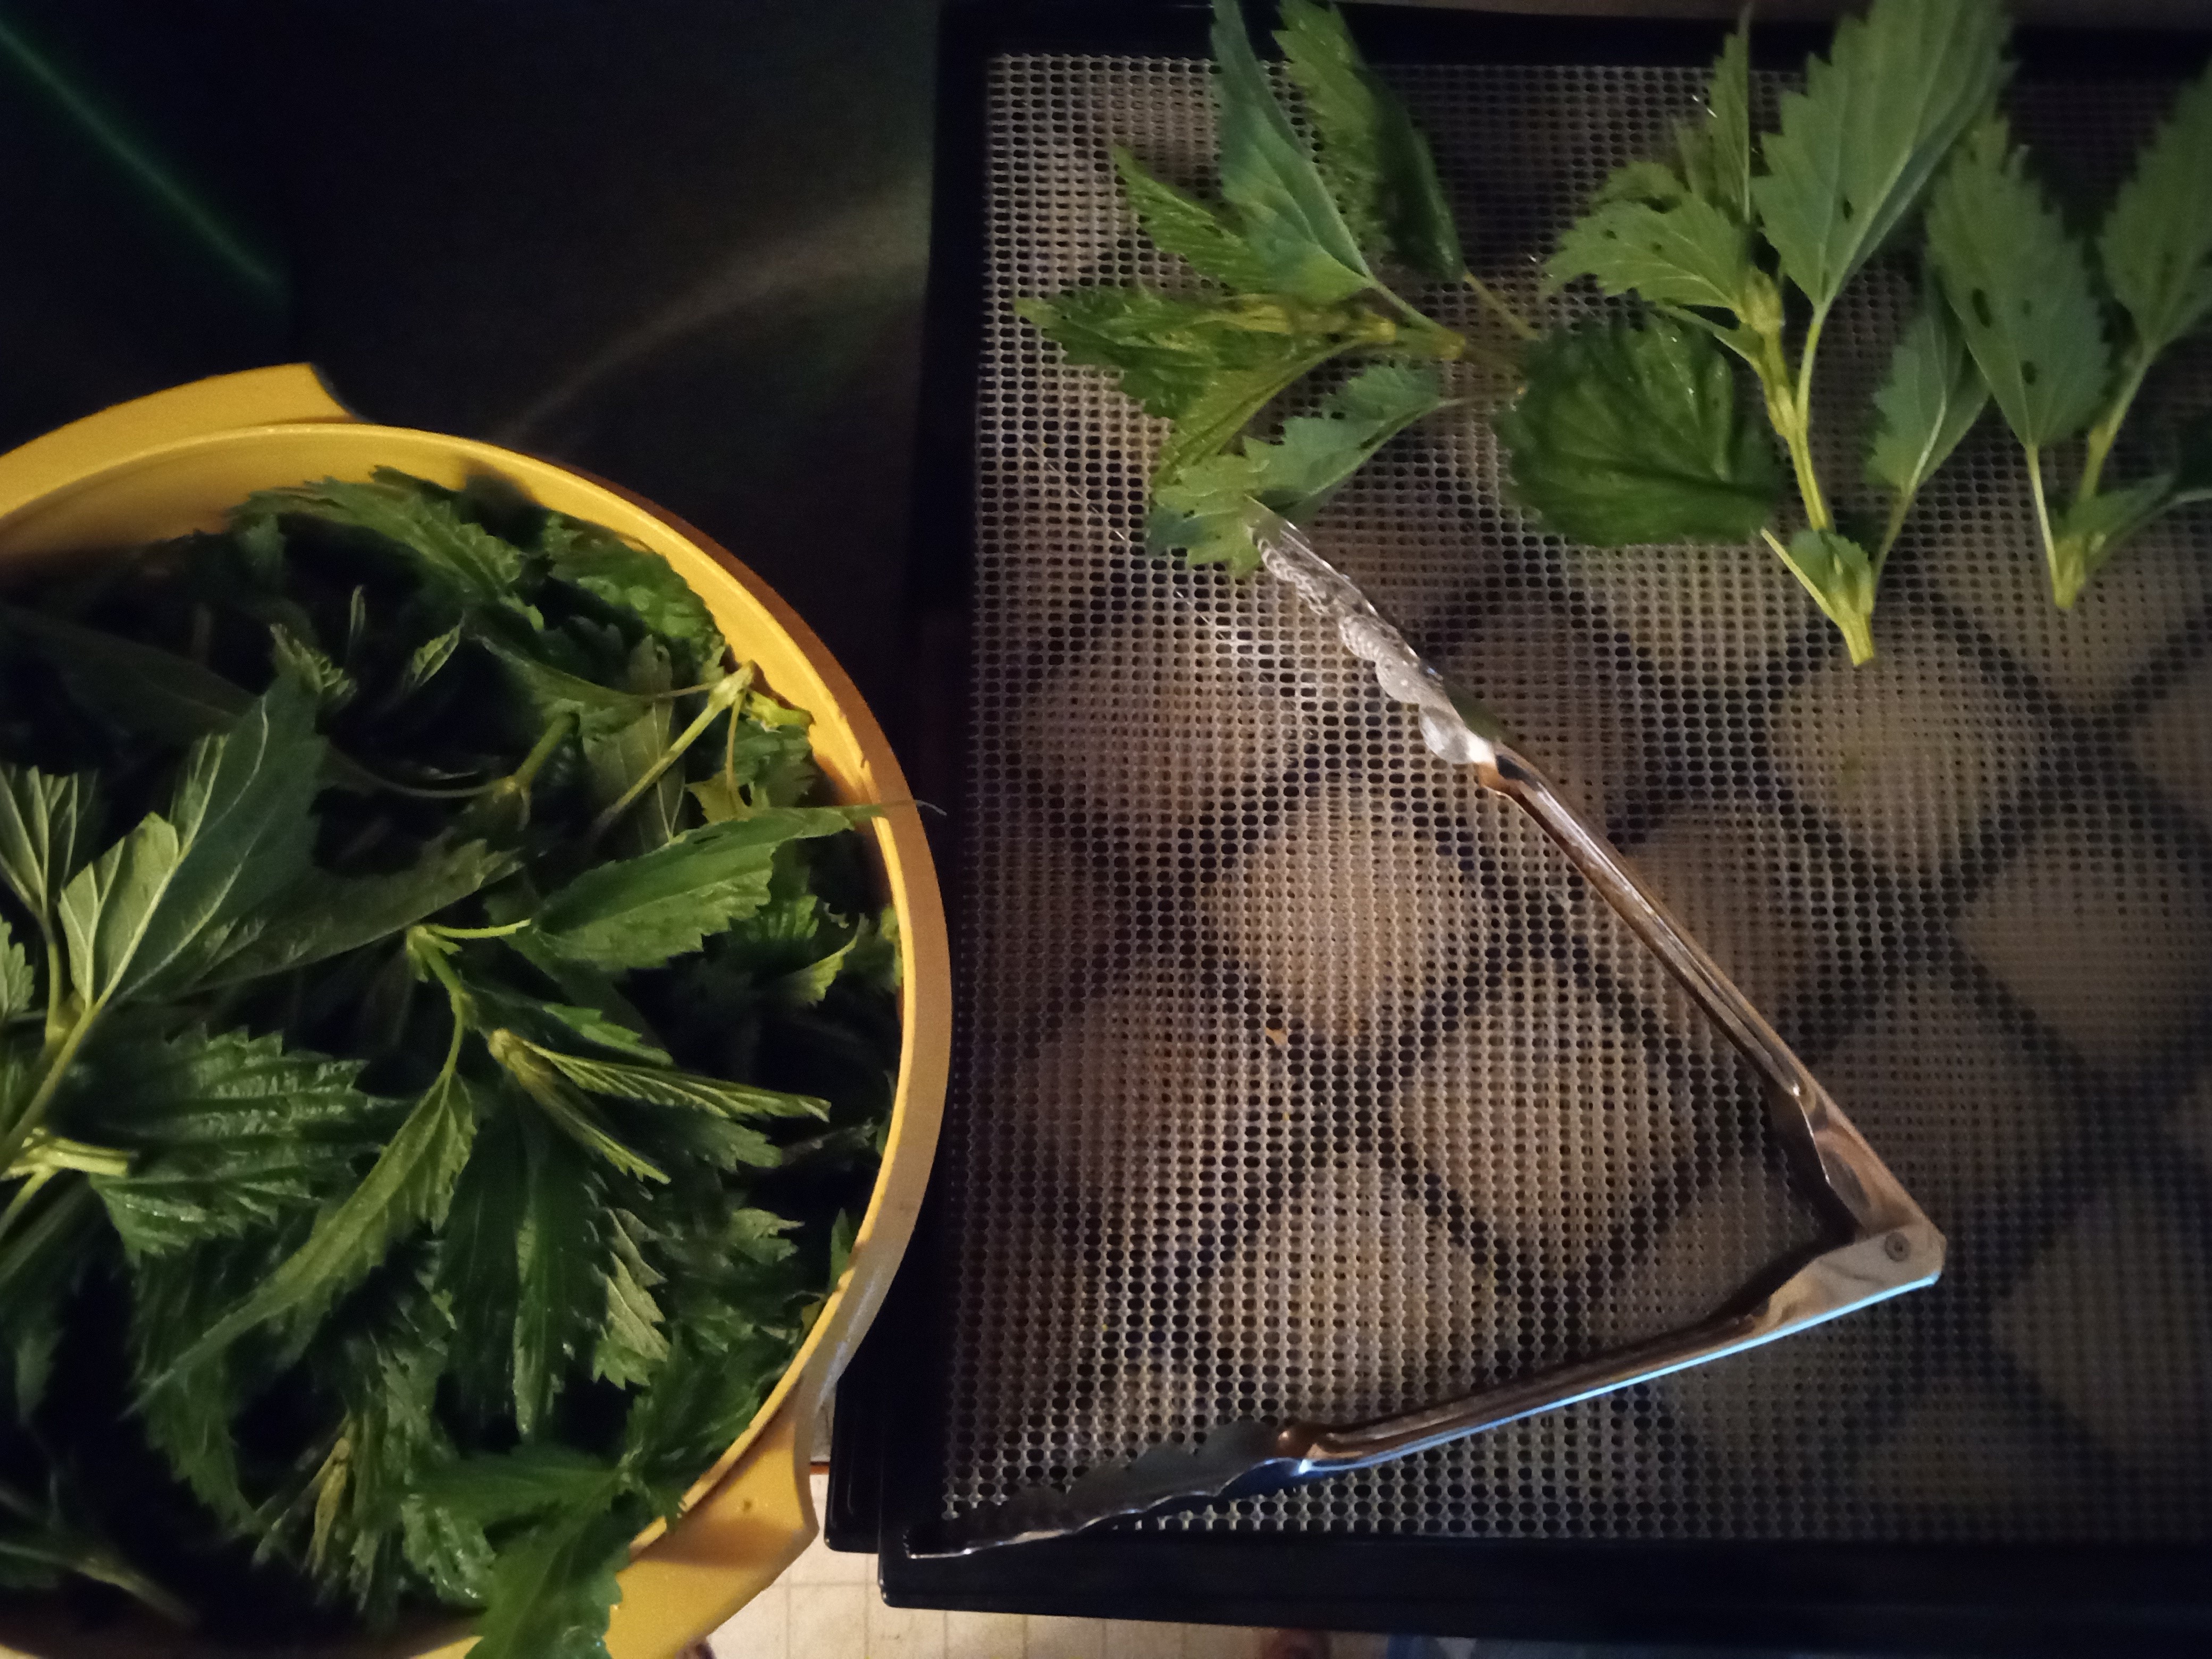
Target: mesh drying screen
[[1294, 1079]]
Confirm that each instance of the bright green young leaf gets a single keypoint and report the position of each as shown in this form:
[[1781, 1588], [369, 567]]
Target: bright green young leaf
[[2019, 285], [19, 984], [1628, 434], [1689, 253], [1716, 148], [1170, 351], [425, 661], [2156, 244], [1836, 571], [642, 912], [1232, 401], [1855, 149], [237, 832], [410, 1187], [1284, 208], [646, 584], [1376, 162], [563, 1251], [1187, 228], [47, 826], [137, 688], [1930, 398], [1652, 182], [1212, 507], [566, 1109], [329, 684]]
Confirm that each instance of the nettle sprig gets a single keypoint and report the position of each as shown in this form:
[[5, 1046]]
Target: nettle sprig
[[2065, 340], [1748, 245], [1291, 266]]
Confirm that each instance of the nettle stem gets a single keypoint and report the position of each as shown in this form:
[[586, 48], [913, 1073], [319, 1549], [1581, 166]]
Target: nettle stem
[[2065, 577], [728, 692], [1495, 303], [2106, 431], [57, 1064]]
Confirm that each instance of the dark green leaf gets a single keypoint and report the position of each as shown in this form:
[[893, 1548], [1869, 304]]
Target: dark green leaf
[[552, 1592], [549, 693], [1932, 395], [324, 915], [631, 1345], [447, 552], [1284, 208], [618, 761], [661, 1085], [562, 1256], [236, 833], [450, 1556], [225, 1132], [1376, 162], [1857, 147], [410, 1186], [2019, 285], [642, 912], [1625, 434], [40, 1261], [137, 688], [568, 1110], [494, 1491], [2156, 244], [476, 1268], [631, 579]]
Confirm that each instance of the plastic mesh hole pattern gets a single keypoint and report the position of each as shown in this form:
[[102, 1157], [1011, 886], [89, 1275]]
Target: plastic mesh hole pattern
[[1296, 1079]]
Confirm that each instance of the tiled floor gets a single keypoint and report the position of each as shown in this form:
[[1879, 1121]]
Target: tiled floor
[[827, 1608]]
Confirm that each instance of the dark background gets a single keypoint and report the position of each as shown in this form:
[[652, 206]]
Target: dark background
[[677, 243]]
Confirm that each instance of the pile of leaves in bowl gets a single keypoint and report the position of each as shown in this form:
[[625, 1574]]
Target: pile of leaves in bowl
[[441, 1052]]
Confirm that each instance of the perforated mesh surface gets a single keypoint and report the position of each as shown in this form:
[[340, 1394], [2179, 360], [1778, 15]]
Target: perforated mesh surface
[[1298, 1079]]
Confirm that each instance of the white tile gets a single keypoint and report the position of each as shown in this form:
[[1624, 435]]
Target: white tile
[[821, 1564], [903, 1632], [761, 1629], [983, 1636], [829, 1621], [1220, 1641], [1130, 1638], [1063, 1638]]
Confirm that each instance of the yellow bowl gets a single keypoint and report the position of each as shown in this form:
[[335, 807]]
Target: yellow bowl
[[175, 462]]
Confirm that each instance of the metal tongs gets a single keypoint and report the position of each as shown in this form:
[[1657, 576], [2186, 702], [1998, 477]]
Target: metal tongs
[[1890, 1247]]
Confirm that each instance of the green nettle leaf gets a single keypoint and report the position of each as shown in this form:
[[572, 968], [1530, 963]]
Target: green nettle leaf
[[452, 1557], [629, 578], [1374, 161], [2156, 244], [410, 1187], [226, 1132], [631, 1345], [1716, 151], [449, 553], [424, 662], [476, 1266], [2019, 285], [661, 1085], [137, 688], [642, 912], [1187, 228], [1836, 571], [328, 683], [563, 1253], [40, 1264], [1688, 253], [619, 760], [19, 986], [1856, 149], [324, 915], [237, 833], [1214, 507], [566, 1109], [553, 1591], [1931, 399], [549, 693], [2105, 519], [1654, 182], [1628, 434], [47, 825], [1283, 207]]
